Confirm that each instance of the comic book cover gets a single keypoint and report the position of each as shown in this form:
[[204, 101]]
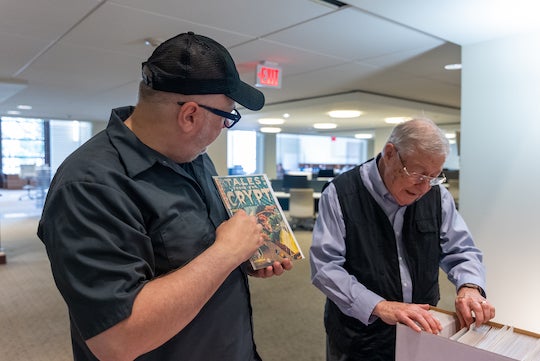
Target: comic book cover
[[254, 194]]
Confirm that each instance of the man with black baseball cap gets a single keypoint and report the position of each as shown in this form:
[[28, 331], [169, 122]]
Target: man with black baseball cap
[[195, 64], [140, 245]]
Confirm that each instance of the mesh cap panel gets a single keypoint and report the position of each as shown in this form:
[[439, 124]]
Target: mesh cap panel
[[195, 64]]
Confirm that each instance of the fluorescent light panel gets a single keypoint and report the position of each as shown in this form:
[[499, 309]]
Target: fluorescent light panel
[[271, 121], [325, 125], [344, 113], [270, 130]]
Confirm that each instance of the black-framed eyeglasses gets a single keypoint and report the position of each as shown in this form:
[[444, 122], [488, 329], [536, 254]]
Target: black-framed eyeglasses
[[230, 118], [418, 178]]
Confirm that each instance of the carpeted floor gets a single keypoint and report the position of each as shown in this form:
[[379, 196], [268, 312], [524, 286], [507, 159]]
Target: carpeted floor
[[33, 318], [288, 311]]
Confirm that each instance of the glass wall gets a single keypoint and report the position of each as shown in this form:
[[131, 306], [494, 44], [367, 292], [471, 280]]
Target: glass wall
[[38, 142], [66, 136], [294, 152], [23, 142], [242, 151], [310, 153]]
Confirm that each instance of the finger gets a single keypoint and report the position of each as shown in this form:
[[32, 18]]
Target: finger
[[277, 269], [461, 311], [436, 325], [469, 308], [429, 323], [258, 273], [287, 264], [478, 313], [489, 311], [263, 272], [409, 322], [424, 324], [268, 271]]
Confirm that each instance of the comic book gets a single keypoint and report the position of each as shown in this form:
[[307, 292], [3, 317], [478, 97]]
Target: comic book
[[254, 194]]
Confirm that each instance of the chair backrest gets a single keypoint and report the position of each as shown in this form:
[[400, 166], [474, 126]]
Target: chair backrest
[[301, 203], [294, 181], [27, 171]]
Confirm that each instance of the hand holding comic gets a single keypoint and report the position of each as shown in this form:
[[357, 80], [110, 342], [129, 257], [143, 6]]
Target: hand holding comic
[[242, 235], [254, 195]]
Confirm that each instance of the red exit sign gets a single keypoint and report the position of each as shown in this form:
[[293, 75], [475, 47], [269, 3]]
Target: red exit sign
[[268, 76]]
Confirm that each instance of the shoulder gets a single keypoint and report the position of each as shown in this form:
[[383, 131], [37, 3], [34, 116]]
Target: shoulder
[[94, 161]]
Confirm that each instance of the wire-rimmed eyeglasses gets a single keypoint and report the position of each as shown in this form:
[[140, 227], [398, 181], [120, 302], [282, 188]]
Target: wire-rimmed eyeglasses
[[418, 178], [230, 118]]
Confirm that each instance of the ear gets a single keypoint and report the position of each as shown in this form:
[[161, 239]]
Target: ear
[[188, 117], [389, 151]]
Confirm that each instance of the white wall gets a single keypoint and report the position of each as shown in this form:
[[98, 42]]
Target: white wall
[[268, 154], [66, 136], [500, 170], [381, 136], [98, 126], [218, 153]]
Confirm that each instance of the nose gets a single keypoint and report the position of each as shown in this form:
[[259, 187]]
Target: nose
[[424, 185]]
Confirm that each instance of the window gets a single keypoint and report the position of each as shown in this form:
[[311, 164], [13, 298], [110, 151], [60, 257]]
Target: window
[[23, 142], [294, 152], [310, 153], [241, 151]]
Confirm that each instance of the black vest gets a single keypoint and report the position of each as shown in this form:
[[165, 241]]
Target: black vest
[[371, 257]]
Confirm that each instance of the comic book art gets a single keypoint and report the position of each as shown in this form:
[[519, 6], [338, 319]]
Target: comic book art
[[254, 194]]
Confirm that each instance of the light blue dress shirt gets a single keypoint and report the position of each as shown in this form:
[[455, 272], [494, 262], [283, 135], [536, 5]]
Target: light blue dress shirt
[[460, 258]]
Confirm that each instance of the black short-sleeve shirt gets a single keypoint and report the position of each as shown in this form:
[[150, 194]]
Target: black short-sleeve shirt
[[117, 215]]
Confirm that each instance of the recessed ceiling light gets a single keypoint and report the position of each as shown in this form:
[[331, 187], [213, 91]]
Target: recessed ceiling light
[[153, 42], [363, 136], [24, 107], [350, 113], [325, 125], [270, 130], [271, 121], [450, 135], [286, 115], [452, 66], [13, 112], [397, 120]]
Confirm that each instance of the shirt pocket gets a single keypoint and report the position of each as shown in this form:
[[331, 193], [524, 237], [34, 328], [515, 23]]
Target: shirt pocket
[[181, 239]]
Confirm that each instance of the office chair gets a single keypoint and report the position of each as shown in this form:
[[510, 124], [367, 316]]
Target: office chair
[[301, 208], [27, 172]]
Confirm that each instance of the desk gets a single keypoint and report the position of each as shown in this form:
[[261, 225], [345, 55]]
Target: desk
[[283, 199], [316, 195]]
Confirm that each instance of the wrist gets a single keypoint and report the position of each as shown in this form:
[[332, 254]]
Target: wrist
[[473, 286]]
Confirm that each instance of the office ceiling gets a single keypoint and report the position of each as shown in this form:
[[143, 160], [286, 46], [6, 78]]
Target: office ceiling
[[77, 59]]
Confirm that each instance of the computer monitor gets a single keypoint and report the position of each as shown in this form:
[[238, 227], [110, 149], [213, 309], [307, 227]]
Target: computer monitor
[[326, 173], [295, 181]]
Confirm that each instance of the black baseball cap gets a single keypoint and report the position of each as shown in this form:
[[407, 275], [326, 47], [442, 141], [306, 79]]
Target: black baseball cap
[[194, 64]]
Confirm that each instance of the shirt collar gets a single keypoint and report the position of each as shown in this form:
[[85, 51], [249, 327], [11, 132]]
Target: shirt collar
[[136, 156], [373, 181]]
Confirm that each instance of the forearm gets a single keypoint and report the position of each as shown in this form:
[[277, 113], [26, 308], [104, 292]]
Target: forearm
[[165, 306], [461, 259]]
